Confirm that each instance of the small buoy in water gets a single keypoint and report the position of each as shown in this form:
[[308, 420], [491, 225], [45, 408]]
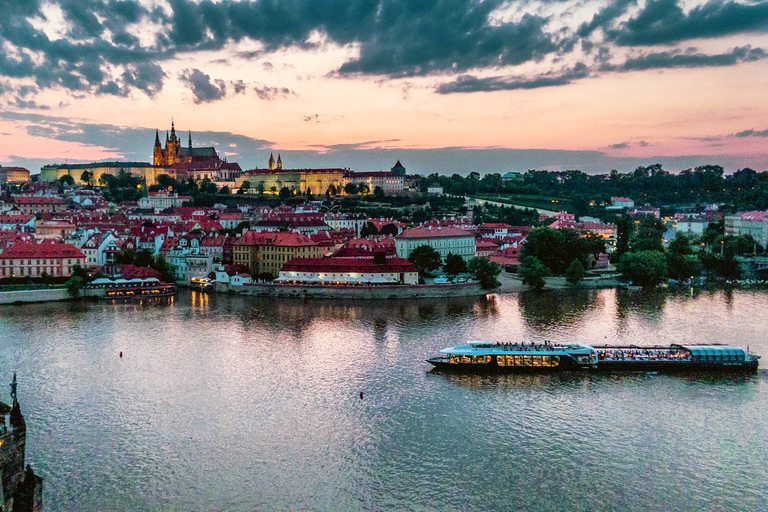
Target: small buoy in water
[[361, 395], [121, 355]]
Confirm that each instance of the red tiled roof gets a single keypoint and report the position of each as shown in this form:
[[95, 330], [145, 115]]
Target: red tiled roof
[[37, 200], [435, 232], [46, 249]]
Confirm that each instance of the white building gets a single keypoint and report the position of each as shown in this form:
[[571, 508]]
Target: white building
[[443, 239], [161, 200], [754, 224], [349, 271]]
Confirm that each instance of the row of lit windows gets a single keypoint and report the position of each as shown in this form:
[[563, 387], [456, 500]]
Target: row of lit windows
[[527, 360], [507, 360]]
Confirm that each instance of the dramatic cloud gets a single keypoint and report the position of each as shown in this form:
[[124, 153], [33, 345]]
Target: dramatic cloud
[[664, 21], [467, 83], [118, 46], [676, 59], [201, 86]]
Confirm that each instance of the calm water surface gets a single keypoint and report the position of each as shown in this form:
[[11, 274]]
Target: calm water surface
[[232, 403]]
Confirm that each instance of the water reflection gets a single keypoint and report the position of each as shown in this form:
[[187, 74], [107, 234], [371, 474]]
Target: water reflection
[[558, 380], [648, 301], [545, 308]]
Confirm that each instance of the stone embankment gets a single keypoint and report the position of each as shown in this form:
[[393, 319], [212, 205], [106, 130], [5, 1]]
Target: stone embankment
[[356, 292], [43, 295]]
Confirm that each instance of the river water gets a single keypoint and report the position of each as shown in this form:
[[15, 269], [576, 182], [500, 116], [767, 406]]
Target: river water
[[238, 403]]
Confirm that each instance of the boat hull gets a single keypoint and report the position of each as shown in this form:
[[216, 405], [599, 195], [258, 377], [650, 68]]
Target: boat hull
[[682, 367]]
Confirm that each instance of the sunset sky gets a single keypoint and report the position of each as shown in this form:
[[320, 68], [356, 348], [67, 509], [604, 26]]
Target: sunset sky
[[445, 85]]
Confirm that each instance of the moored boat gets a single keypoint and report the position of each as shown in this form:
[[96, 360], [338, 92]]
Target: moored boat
[[484, 356]]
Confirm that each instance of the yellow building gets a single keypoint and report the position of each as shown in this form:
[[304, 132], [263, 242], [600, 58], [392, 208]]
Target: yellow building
[[271, 181], [145, 171], [13, 174], [267, 252]]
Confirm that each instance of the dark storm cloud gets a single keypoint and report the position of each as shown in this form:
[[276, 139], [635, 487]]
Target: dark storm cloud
[[605, 17], [395, 38], [468, 83], [752, 133], [678, 59], [663, 21], [620, 145], [203, 89]]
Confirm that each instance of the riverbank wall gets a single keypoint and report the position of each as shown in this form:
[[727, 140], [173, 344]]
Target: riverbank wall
[[355, 292], [43, 295]]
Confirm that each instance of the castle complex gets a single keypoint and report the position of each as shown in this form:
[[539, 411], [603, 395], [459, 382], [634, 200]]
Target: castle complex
[[184, 162], [175, 153], [20, 489]]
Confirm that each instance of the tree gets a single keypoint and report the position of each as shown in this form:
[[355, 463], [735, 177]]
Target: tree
[[364, 189], [67, 180], [87, 178], [680, 266], [680, 245], [74, 285], [555, 248], [166, 269], [225, 190], [331, 191], [389, 230], [350, 188], [285, 193], [648, 236], [143, 258], [533, 272], [166, 182], [106, 180], [245, 186], [485, 271], [369, 228], [454, 265], [378, 192], [79, 271], [575, 272], [260, 188], [426, 259], [646, 268]]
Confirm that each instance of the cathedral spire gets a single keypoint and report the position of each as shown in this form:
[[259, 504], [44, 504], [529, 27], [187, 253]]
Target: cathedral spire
[[190, 139], [173, 131], [279, 162], [271, 161], [157, 137]]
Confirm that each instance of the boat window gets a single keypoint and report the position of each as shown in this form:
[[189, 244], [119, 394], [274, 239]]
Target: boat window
[[486, 359], [501, 361], [518, 360], [536, 360], [465, 359], [454, 359], [545, 360], [526, 360], [555, 360], [510, 360]]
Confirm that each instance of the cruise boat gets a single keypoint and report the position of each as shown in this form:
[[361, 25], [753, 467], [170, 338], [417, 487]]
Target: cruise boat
[[485, 356]]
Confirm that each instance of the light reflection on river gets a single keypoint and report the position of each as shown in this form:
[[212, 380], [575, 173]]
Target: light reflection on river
[[232, 403]]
